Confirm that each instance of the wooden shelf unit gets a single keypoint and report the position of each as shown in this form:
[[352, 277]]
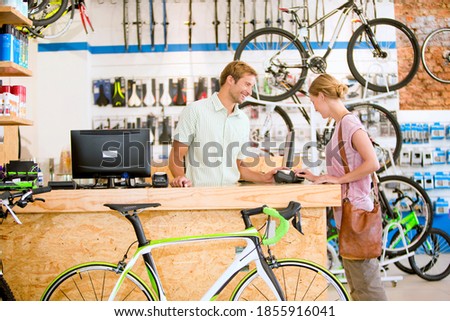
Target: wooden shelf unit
[[10, 16]]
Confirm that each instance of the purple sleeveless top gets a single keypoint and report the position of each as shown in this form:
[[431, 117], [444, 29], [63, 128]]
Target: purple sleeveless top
[[359, 192]]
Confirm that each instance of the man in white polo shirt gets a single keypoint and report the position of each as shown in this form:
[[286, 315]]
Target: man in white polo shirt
[[212, 133]]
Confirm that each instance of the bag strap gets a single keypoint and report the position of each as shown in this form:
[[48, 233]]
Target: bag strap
[[343, 155]]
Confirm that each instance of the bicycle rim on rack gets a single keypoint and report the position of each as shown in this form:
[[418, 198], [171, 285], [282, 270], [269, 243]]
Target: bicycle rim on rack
[[95, 282], [278, 58], [399, 60], [436, 55], [45, 15], [383, 129], [415, 213], [57, 28], [300, 280], [268, 129], [431, 260]]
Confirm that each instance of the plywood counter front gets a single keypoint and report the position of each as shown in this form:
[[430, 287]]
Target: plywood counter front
[[73, 226]]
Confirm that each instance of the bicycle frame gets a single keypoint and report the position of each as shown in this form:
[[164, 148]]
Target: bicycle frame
[[251, 253], [344, 10]]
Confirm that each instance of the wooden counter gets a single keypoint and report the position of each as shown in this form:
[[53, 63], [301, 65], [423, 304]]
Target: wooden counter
[[73, 226]]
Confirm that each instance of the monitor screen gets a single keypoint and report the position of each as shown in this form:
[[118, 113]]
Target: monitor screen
[[116, 153]]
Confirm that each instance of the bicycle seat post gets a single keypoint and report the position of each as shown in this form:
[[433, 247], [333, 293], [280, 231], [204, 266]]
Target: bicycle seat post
[[137, 226]]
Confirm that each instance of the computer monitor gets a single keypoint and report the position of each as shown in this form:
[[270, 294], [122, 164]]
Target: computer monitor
[[111, 154]]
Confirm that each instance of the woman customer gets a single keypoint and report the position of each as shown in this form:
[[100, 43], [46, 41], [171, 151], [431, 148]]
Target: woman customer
[[327, 95]]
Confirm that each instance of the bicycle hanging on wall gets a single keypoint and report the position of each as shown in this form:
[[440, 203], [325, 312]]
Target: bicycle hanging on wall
[[284, 58]]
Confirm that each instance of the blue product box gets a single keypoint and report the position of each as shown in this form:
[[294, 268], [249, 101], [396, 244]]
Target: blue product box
[[428, 181], [418, 178], [441, 180], [439, 156], [437, 131], [440, 206]]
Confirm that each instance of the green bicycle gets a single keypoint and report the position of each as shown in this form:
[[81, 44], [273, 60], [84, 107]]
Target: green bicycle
[[272, 279]]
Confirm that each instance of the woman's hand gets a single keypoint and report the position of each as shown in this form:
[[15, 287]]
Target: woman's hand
[[304, 173]]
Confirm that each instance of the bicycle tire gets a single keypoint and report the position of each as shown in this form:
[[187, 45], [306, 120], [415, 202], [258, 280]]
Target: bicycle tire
[[5, 291], [52, 12], [267, 138], [94, 281], [57, 28], [417, 231], [435, 55], [361, 61], [404, 267], [296, 278], [383, 129], [279, 82], [431, 260]]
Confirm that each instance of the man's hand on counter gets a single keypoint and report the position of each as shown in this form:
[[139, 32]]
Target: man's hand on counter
[[181, 181]]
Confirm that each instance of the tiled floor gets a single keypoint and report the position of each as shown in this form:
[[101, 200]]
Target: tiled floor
[[413, 288]]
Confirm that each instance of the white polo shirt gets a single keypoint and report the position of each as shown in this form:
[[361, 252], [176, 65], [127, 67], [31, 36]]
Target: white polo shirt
[[215, 141]]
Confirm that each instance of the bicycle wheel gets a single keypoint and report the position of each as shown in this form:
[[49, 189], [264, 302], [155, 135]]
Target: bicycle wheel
[[383, 129], [300, 280], [94, 281], [5, 291], [280, 60], [431, 260], [397, 63], [436, 55], [52, 11], [405, 202], [57, 28], [268, 128]]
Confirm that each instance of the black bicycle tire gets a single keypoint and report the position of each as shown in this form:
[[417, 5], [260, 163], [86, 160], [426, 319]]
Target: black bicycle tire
[[418, 270], [319, 270], [93, 266], [423, 53], [402, 267], [278, 110], [376, 23], [273, 32], [5, 291], [395, 125], [36, 30], [429, 221], [51, 19]]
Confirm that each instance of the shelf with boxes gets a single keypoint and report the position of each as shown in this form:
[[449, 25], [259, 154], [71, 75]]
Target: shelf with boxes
[[425, 157], [13, 63]]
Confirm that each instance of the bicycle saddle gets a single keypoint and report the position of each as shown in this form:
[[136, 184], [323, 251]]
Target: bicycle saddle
[[130, 207]]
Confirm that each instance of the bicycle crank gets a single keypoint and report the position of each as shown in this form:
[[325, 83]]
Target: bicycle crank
[[317, 65]]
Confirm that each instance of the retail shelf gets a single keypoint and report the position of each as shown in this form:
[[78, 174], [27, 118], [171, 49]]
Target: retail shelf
[[14, 121], [11, 69], [9, 15]]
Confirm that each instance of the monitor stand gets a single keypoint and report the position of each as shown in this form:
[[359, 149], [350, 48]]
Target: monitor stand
[[111, 183]]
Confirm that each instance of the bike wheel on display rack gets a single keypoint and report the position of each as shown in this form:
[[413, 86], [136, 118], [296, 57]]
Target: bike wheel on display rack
[[48, 12], [436, 55], [278, 82], [56, 28], [431, 260], [269, 126], [394, 66], [383, 129], [407, 211]]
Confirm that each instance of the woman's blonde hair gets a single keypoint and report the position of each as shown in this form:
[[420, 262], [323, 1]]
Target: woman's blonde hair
[[329, 86]]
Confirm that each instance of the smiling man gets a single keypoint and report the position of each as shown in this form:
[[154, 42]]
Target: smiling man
[[212, 135]]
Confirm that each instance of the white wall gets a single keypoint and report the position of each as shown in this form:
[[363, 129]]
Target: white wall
[[61, 95]]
